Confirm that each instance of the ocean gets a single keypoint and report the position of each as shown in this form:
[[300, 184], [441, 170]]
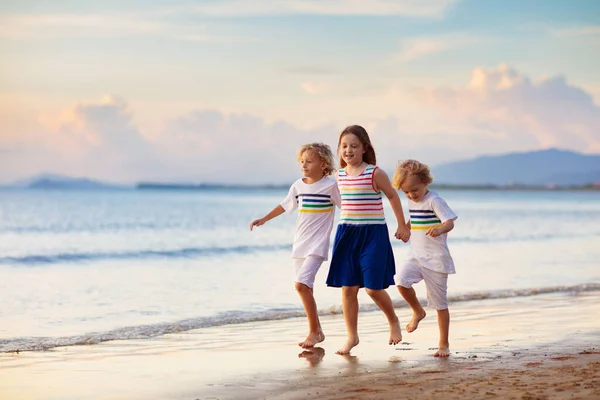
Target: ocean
[[83, 267]]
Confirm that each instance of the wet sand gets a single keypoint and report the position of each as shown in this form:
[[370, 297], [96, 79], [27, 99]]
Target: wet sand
[[537, 347]]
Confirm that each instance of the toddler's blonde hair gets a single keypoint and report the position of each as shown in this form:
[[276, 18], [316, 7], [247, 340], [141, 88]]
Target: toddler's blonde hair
[[324, 153], [407, 168]]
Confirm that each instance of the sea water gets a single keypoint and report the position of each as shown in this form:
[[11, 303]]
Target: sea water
[[89, 266]]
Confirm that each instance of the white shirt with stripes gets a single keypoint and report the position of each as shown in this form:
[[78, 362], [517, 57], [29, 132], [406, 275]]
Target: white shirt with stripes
[[315, 203], [431, 252]]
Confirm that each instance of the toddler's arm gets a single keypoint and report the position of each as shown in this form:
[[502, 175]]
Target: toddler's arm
[[277, 211], [444, 213], [444, 228]]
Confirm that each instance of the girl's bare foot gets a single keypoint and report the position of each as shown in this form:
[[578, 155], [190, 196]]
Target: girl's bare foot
[[443, 350], [350, 343], [414, 321], [395, 332], [312, 339]]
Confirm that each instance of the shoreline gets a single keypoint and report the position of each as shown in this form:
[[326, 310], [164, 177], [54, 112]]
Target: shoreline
[[10, 345], [519, 342]]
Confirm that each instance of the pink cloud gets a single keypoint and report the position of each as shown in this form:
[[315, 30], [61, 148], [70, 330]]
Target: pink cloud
[[503, 104]]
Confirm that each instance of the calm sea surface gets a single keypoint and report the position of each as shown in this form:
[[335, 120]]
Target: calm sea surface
[[88, 266]]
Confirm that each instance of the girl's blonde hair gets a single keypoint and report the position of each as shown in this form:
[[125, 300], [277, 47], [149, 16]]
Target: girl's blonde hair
[[324, 153], [362, 135], [411, 167]]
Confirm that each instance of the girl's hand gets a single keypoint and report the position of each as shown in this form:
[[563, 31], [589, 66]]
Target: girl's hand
[[433, 232], [402, 233], [257, 222]]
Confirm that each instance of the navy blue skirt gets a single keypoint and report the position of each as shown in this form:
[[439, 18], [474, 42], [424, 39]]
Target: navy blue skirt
[[362, 256]]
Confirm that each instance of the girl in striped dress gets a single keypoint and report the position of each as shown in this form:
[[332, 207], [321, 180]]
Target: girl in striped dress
[[315, 197], [362, 252]]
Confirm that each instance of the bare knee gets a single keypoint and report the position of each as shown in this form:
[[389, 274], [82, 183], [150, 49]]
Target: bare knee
[[350, 291], [302, 288], [404, 290], [372, 292]]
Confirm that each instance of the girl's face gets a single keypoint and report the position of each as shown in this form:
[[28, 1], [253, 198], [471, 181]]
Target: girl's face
[[414, 189], [351, 149], [312, 166]]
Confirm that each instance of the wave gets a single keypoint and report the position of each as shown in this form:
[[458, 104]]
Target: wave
[[195, 252], [188, 252], [236, 317]]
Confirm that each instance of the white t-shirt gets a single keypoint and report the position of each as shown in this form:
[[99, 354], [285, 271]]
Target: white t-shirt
[[431, 252], [315, 203]]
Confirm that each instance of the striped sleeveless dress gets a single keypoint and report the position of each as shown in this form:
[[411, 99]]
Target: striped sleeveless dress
[[362, 252], [361, 204]]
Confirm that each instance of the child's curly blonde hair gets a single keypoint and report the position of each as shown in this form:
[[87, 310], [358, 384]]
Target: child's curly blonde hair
[[407, 168], [324, 153]]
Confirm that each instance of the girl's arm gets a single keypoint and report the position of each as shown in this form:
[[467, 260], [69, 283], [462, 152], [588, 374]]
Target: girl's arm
[[276, 212], [382, 182]]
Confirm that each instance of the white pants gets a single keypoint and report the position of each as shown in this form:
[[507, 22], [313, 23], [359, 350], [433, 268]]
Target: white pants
[[436, 282], [306, 269]]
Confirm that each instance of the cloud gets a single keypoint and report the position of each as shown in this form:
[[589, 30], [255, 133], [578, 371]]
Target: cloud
[[239, 8], [512, 112], [415, 48], [21, 25], [209, 146], [163, 21], [308, 70], [578, 31], [497, 110], [106, 25], [314, 88], [97, 139]]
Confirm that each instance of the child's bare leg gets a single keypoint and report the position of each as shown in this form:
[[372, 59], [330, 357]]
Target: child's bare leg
[[419, 313], [350, 308], [384, 302], [315, 333], [444, 325]]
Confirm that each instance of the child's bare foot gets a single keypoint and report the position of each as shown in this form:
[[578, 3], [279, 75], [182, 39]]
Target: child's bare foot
[[350, 343], [395, 332], [414, 321], [312, 339], [443, 350]]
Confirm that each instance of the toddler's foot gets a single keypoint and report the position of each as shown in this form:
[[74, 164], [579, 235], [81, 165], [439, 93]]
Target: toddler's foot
[[414, 321], [395, 332], [312, 339], [350, 343], [443, 350]]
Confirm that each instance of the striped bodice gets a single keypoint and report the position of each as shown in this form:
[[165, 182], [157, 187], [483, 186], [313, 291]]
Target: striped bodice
[[361, 204], [423, 220]]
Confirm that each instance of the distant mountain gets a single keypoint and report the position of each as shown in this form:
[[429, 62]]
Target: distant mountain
[[54, 181], [545, 167]]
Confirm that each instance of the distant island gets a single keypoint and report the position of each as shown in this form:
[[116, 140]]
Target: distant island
[[203, 186], [208, 186], [551, 169], [63, 182]]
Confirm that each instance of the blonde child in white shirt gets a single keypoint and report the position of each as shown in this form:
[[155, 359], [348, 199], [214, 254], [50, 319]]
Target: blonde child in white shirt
[[429, 259], [315, 196]]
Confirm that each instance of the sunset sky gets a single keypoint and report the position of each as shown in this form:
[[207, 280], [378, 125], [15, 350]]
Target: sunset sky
[[226, 91]]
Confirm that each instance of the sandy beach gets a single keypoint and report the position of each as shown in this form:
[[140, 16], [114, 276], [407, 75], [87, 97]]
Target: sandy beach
[[536, 347]]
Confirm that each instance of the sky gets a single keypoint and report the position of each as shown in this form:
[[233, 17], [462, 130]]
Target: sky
[[226, 91]]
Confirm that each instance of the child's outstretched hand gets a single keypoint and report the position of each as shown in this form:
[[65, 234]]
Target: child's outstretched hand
[[403, 233], [257, 222], [433, 232]]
